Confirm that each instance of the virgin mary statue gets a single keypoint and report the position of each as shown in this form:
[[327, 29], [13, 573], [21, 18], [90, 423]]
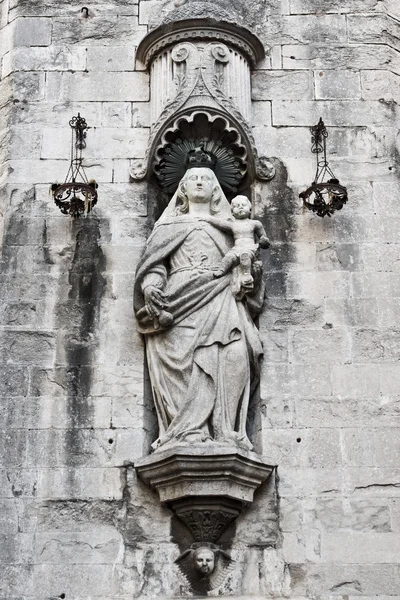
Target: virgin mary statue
[[202, 346]]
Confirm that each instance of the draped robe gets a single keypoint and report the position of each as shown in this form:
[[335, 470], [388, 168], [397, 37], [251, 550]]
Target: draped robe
[[202, 368]]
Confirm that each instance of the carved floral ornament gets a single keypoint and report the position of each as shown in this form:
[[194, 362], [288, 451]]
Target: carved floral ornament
[[201, 95]]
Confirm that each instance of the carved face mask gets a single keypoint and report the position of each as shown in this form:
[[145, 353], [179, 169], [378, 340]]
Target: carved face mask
[[204, 561]]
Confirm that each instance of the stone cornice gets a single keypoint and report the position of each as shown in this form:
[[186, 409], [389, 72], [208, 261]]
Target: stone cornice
[[195, 29]]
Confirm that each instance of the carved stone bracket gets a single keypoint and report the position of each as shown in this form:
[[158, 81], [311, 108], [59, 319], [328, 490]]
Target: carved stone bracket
[[204, 472]]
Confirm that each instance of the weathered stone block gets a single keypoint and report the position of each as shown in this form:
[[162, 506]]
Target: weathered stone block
[[56, 413], [373, 29], [140, 114], [117, 114], [75, 581], [13, 380], [130, 230], [388, 313], [275, 344], [389, 378], [261, 113], [285, 142], [122, 259], [353, 381], [271, 85], [16, 549], [28, 87], [371, 448], [332, 514], [64, 7], [56, 114], [103, 545], [115, 381], [32, 32], [53, 58], [316, 346], [16, 483], [376, 346], [15, 579], [376, 257], [386, 196], [337, 85], [336, 256], [297, 548], [53, 171], [146, 9], [100, 30], [377, 85], [294, 313], [338, 412], [28, 259], [298, 380], [306, 482], [323, 284], [306, 113], [24, 231], [370, 284], [101, 143], [111, 58], [122, 170], [372, 482], [334, 56], [27, 347], [8, 517], [83, 447], [347, 579], [80, 483], [109, 87], [13, 445], [346, 547], [303, 448], [303, 29], [342, 6], [276, 412]]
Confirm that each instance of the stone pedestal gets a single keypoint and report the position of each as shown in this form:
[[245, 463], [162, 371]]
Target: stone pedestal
[[206, 486]]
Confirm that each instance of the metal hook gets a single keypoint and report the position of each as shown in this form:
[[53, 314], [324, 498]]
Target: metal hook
[[86, 11]]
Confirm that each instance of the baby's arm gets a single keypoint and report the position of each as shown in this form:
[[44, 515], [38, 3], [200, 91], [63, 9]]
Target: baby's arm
[[223, 225], [261, 233]]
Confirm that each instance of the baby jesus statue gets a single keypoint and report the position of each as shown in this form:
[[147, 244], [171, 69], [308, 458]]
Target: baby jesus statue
[[249, 235]]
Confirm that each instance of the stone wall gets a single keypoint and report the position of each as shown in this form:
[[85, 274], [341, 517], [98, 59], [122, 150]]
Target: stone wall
[[75, 410]]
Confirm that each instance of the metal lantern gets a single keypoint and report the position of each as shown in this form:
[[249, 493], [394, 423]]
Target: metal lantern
[[325, 195], [76, 196]]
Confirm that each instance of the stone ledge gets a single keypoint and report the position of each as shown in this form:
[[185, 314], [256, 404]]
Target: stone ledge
[[200, 471]]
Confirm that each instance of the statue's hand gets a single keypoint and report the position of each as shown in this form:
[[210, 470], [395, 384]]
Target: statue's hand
[[264, 242], [154, 300]]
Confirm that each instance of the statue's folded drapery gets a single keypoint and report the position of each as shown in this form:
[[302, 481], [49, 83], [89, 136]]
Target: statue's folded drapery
[[202, 368]]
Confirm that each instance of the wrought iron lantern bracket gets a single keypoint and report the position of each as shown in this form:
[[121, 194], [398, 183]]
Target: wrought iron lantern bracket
[[326, 194], [76, 196]]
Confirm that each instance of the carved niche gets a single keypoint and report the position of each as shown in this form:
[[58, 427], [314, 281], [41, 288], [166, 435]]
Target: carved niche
[[201, 95], [199, 284]]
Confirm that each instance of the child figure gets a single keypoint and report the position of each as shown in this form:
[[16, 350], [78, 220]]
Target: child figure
[[245, 233]]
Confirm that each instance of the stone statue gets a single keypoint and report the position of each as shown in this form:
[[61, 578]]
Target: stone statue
[[205, 566], [245, 232], [203, 348]]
